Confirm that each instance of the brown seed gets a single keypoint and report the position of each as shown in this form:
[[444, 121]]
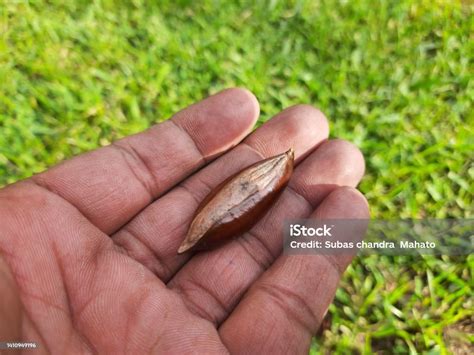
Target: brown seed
[[239, 202]]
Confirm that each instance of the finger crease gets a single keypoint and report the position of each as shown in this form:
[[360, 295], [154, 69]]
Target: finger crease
[[260, 252], [43, 185], [293, 305], [190, 193], [129, 151], [197, 309], [332, 261], [301, 197], [256, 151], [182, 129], [160, 269], [204, 185]]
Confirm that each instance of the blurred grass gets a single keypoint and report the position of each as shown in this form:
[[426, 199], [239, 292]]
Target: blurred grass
[[392, 76]]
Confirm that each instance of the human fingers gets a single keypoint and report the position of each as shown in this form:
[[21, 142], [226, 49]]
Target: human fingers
[[284, 308], [112, 184], [154, 235], [212, 283]]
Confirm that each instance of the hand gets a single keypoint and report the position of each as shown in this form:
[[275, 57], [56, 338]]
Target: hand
[[89, 246]]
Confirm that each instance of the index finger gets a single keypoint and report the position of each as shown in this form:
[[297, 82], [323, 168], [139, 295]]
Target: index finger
[[110, 185]]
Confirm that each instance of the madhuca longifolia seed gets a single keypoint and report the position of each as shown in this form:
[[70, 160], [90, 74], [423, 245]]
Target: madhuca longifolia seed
[[239, 202]]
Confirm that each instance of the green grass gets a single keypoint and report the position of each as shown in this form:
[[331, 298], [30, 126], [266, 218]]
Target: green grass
[[392, 76]]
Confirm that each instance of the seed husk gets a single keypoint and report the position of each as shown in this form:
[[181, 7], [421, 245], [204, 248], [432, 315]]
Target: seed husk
[[236, 204]]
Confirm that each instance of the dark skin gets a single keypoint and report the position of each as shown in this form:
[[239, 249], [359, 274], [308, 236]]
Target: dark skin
[[88, 257]]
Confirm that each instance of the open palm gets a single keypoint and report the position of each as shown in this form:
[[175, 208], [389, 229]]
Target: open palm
[[88, 248]]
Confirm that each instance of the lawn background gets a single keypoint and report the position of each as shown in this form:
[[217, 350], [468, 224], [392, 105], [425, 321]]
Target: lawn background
[[394, 77]]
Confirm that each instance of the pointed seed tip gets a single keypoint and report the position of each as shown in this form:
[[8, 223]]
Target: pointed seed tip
[[291, 152], [183, 247]]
